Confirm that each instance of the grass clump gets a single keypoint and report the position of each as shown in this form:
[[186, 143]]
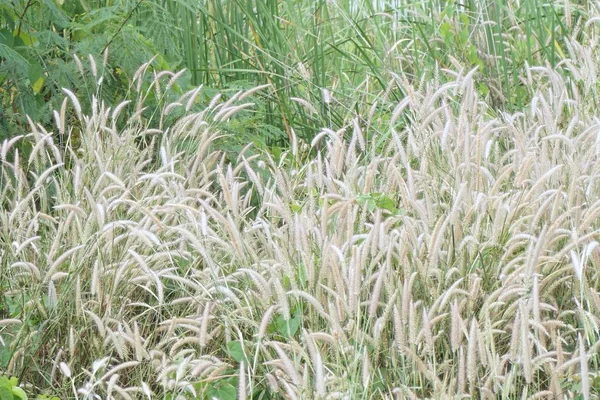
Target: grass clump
[[446, 251]]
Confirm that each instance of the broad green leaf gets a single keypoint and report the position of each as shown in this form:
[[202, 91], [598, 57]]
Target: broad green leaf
[[448, 11], [386, 203], [79, 34], [6, 393], [472, 55], [28, 40], [464, 36], [6, 37], [236, 351], [301, 274], [288, 328], [445, 31], [19, 393], [36, 76], [361, 199], [38, 85], [222, 391], [483, 89], [371, 205]]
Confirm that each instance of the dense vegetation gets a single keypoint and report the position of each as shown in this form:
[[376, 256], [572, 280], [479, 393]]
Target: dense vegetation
[[331, 199], [337, 56]]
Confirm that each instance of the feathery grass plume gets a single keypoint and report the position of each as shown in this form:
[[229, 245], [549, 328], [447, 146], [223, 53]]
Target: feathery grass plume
[[584, 373], [429, 345], [472, 352], [64, 368], [9, 321], [462, 370], [399, 329], [75, 102], [456, 327], [286, 364], [317, 361], [525, 353], [412, 323]]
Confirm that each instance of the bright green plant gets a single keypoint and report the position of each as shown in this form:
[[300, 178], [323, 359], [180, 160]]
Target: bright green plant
[[378, 200], [38, 40], [10, 390]]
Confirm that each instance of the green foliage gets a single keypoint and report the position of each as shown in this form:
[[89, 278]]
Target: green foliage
[[10, 390], [353, 49], [337, 57], [236, 351], [39, 38], [225, 389], [378, 200], [573, 385], [286, 328]]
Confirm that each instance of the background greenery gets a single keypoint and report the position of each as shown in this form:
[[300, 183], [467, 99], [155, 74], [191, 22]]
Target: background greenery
[[338, 56]]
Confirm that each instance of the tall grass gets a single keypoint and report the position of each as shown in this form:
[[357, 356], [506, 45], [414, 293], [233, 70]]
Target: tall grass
[[339, 56], [453, 254], [354, 49]]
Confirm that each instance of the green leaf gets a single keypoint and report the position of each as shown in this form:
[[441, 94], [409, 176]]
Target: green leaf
[[19, 393], [371, 205], [222, 391], [38, 85], [236, 351], [6, 393], [464, 36], [483, 89], [445, 31], [288, 328], [301, 274], [36, 76], [28, 40], [295, 207], [472, 55], [386, 203], [361, 199], [7, 13], [7, 38], [449, 10]]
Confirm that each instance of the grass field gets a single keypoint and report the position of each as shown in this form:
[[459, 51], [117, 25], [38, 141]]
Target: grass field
[[370, 201]]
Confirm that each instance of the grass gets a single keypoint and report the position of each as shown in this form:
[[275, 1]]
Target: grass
[[353, 49], [434, 240]]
